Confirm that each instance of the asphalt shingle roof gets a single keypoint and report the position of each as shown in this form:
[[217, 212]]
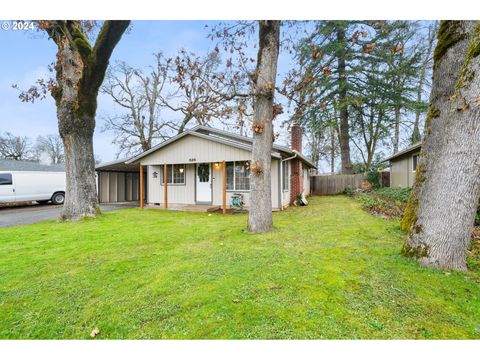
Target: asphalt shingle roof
[[28, 165]]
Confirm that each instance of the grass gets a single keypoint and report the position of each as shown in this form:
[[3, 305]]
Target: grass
[[327, 271]]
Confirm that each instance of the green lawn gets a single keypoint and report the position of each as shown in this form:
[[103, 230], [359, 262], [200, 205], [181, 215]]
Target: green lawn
[[329, 270]]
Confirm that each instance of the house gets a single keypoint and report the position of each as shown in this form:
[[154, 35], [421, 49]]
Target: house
[[206, 166], [403, 165]]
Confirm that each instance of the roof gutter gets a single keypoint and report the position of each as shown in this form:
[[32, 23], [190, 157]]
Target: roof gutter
[[290, 158]]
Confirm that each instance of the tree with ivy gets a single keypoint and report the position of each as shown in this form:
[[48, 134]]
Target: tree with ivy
[[440, 213], [79, 72]]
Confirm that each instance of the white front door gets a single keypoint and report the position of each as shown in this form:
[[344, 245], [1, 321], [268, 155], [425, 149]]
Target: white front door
[[204, 183], [7, 190]]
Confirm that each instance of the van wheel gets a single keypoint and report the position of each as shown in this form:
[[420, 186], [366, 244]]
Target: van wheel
[[58, 198]]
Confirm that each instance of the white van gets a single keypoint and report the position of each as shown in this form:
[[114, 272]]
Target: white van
[[39, 186]]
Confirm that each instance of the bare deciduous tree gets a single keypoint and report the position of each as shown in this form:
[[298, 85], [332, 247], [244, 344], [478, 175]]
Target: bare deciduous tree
[[15, 147], [192, 88], [138, 95], [51, 145]]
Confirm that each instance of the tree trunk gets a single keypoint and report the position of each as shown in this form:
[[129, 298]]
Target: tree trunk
[[332, 149], [396, 138], [81, 195], [344, 137], [76, 132], [260, 214], [440, 213]]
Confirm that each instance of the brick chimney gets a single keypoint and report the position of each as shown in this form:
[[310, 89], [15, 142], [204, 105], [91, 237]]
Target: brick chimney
[[296, 178]]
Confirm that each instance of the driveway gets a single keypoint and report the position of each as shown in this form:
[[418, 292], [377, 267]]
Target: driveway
[[29, 214]]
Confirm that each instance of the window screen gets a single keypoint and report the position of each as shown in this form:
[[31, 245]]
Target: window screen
[[238, 175], [175, 174]]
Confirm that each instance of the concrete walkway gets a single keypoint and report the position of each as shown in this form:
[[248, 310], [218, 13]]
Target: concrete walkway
[[30, 214]]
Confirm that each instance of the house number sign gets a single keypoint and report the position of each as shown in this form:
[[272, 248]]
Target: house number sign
[[192, 159]]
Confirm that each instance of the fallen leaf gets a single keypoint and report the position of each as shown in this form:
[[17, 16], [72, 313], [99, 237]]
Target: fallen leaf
[[236, 301], [95, 332]]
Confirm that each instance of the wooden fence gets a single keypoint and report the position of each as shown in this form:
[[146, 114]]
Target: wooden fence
[[334, 184]]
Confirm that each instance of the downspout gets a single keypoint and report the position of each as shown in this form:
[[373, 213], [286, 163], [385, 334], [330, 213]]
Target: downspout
[[281, 178], [280, 188]]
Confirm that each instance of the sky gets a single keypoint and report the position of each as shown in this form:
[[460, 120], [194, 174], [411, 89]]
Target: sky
[[27, 54], [30, 52]]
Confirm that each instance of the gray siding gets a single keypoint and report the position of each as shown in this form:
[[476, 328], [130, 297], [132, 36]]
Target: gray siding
[[184, 150], [401, 171]]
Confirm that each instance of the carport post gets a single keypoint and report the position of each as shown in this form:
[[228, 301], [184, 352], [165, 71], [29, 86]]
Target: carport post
[[141, 186], [165, 182], [224, 203]]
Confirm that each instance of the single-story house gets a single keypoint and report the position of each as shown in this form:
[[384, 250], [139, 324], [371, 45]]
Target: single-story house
[[403, 165], [207, 166]]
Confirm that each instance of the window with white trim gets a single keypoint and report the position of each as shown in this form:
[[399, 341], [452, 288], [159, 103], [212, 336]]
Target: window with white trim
[[285, 179], [175, 174], [238, 175], [414, 162]]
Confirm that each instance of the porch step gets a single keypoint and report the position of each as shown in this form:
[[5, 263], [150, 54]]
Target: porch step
[[186, 207]]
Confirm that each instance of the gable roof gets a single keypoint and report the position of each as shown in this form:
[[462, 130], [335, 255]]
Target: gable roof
[[405, 151], [117, 165], [28, 165], [223, 137]]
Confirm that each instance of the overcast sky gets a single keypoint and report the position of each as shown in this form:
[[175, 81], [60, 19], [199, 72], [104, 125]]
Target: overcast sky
[[26, 54]]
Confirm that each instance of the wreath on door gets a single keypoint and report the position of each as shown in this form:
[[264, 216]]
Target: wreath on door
[[203, 172]]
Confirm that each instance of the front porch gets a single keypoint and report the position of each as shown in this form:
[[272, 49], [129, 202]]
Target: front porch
[[194, 186], [184, 207]]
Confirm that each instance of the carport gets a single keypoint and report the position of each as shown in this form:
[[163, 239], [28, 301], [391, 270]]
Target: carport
[[119, 182]]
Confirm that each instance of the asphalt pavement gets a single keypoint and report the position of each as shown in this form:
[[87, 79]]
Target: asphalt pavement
[[30, 214]]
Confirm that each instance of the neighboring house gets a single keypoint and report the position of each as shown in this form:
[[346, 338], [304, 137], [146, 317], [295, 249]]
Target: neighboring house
[[403, 165], [206, 166]]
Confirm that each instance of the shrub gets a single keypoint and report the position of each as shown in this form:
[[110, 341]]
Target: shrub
[[395, 193], [385, 202], [372, 173], [348, 191]]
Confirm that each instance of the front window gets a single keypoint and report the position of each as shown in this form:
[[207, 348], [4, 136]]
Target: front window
[[5, 179], [415, 162], [175, 174], [238, 175]]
